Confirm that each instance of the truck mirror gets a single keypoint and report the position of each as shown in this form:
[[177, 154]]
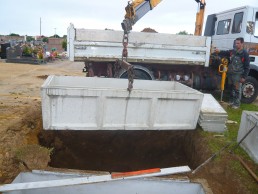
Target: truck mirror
[[250, 27]]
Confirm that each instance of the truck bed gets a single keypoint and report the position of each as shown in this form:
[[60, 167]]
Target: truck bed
[[143, 47]]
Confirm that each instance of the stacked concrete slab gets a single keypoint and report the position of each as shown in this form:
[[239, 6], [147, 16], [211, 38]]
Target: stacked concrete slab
[[212, 116]]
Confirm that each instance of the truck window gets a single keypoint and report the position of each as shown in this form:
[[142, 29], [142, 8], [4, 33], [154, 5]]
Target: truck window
[[256, 25], [223, 27], [237, 23]]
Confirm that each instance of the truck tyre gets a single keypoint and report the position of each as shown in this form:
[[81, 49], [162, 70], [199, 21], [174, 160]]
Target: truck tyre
[[249, 90], [139, 73], [197, 82]]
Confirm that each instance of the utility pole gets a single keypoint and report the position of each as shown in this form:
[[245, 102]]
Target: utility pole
[[55, 33], [40, 26]]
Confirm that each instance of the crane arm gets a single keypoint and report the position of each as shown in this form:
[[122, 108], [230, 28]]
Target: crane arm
[[135, 10], [199, 17]]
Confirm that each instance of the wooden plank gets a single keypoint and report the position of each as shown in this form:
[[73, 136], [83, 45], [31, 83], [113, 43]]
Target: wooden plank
[[134, 173]]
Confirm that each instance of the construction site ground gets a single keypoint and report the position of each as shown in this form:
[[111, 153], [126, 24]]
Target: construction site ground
[[24, 145]]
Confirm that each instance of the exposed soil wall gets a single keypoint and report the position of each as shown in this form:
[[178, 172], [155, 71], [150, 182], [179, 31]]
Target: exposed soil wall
[[117, 150]]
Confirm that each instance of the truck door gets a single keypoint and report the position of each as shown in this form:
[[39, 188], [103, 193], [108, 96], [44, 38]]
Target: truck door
[[221, 38], [254, 24]]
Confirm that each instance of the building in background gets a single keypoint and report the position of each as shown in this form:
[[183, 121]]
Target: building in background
[[55, 43], [11, 39]]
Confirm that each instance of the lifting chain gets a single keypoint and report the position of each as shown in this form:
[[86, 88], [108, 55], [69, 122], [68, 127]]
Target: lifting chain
[[123, 63], [125, 44]]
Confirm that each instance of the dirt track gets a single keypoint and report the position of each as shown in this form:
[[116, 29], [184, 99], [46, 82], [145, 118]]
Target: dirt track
[[20, 121], [20, 107]]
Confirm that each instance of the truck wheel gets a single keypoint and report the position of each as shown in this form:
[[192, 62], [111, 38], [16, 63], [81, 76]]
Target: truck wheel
[[139, 73], [249, 90], [197, 82]]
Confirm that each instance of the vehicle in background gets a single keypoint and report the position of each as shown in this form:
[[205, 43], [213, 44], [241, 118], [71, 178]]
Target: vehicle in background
[[225, 27], [183, 58]]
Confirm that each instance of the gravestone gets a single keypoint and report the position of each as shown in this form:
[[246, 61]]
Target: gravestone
[[10, 53]]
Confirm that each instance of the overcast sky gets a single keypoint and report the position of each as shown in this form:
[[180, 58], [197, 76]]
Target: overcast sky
[[170, 16]]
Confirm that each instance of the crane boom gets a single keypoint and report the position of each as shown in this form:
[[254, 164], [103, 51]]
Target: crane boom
[[136, 9], [199, 17]]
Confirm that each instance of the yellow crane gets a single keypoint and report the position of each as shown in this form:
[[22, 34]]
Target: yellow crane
[[199, 17], [136, 9]]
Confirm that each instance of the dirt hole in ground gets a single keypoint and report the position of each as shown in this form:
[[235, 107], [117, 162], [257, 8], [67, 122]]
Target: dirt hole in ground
[[119, 151]]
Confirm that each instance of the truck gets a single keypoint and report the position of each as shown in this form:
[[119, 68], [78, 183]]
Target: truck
[[225, 27], [158, 56]]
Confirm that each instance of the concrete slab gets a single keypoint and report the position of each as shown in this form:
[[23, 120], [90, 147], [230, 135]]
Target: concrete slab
[[105, 104], [249, 119], [139, 186], [212, 116], [210, 105]]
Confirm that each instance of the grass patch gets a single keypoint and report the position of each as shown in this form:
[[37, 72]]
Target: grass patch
[[236, 166], [230, 135]]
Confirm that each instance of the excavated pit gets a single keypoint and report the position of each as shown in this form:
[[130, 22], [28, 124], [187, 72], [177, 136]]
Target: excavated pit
[[116, 151]]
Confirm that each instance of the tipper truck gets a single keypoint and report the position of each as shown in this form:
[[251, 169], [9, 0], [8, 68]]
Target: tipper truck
[[158, 56]]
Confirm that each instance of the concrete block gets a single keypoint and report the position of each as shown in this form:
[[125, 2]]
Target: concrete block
[[249, 119]]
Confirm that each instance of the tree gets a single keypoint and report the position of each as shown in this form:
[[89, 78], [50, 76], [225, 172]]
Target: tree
[[65, 36], [64, 45], [55, 36], [183, 33], [30, 38], [45, 39], [13, 34], [149, 30]]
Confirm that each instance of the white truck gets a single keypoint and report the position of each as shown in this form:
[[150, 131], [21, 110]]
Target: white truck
[[225, 27], [182, 58]]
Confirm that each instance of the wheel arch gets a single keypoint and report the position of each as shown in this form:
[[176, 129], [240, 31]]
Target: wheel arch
[[253, 71], [141, 68]]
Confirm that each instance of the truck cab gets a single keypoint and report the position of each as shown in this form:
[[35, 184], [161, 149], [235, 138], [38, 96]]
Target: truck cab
[[225, 27]]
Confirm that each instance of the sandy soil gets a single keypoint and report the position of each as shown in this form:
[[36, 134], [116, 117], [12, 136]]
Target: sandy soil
[[21, 125], [20, 111]]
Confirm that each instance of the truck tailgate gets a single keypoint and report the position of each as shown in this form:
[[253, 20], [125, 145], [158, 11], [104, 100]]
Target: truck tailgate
[[143, 47]]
